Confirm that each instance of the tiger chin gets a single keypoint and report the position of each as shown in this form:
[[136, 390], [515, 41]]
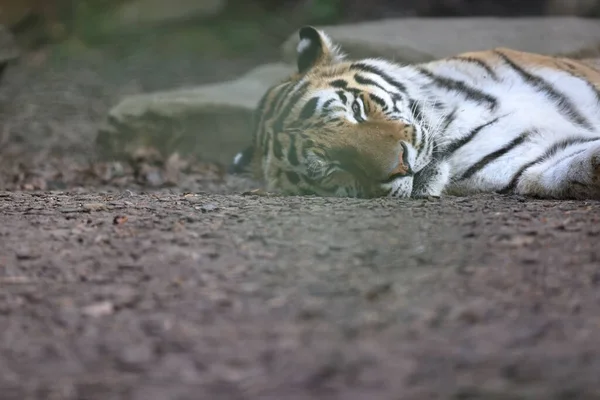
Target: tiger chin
[[499, 121]]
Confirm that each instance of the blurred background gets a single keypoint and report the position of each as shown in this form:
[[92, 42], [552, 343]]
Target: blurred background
[[240, 24], [78, 58]]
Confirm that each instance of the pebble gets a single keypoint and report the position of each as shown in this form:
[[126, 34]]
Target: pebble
[[208, 207], [99, 309], [94, 207]]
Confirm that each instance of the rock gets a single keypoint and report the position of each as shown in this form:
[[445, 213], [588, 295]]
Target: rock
[[35, 22], [99, 309], [155, 12], [210, 122], [8, 49], [413, 40], [572, 7], [90, 207]]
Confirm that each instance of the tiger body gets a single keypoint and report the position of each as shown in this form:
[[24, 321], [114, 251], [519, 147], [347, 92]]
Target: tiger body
[[490, 121]]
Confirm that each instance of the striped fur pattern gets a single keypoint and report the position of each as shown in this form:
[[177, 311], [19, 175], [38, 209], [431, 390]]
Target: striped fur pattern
[[491, 121]]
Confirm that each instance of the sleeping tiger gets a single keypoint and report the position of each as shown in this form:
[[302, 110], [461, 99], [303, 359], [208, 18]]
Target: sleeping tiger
[[500, 121]]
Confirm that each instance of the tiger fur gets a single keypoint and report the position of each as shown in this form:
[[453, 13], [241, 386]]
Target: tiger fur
[[500, 121]]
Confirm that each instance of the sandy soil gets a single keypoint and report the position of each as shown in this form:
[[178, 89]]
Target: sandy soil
[[109, 290]]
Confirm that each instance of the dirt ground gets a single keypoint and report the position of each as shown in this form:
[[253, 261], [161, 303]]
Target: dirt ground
[[109, 290]]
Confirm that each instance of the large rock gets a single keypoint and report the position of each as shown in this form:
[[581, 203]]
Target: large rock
[[8, 49], [151, 12], [571, 7], [211, 122], [414, 40]]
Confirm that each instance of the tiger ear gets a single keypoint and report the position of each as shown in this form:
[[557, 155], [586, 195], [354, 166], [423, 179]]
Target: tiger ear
[[316, 48]]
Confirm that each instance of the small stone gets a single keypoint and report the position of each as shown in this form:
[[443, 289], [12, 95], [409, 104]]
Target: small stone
[[378, 290], [99, 309], [25, 253], [221, 299], [209, 207], [119, 219], [311, 310], [94, 206], [101, 239], [127, 193], [468, 315]]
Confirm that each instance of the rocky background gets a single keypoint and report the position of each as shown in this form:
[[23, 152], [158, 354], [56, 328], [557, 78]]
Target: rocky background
[[44, 21]]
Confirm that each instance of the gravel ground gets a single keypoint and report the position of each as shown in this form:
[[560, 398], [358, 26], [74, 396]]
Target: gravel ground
[[110, 290]]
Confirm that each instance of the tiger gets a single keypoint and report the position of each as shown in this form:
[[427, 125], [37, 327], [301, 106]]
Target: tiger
[[492, 121]]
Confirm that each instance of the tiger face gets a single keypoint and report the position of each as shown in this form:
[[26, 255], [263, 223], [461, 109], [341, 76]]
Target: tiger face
[[335, 128]]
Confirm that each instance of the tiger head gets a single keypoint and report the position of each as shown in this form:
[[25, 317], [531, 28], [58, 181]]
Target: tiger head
[[335, 127]]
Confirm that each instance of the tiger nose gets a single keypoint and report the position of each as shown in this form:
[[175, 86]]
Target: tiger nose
[[403, 167]]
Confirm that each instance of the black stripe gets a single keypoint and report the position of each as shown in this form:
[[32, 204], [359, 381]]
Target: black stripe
[[594, 89], [565, 106], [278, 100], [479, 63], [436, 153], [415, 109], [265, 144], [551, 151], [481, 164], [426, 144], [309, 108], [361, 80], [571, 68], [271, 101], [378, 100], [277, 147], [458, 86], [284, 113], [257, 115], [258, 134], [292, 151], [327, 104], [449, 119], [374, 70], [342, 96], [570, 155], [457, 144], [339, 83]]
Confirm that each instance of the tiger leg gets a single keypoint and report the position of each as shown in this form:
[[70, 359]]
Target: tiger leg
[[431, 180], [572, 172]]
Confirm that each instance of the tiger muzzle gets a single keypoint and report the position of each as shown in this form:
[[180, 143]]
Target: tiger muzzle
[[403, 168]]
